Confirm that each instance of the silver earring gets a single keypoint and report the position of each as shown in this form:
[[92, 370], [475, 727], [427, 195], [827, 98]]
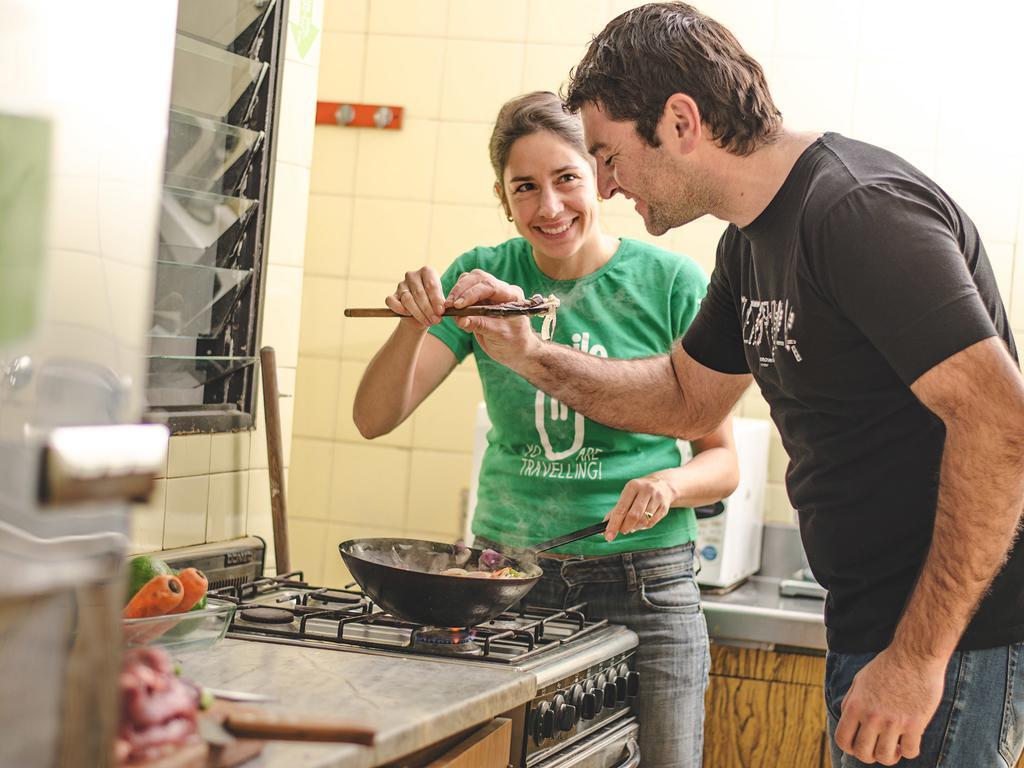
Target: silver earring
[[508, 217]]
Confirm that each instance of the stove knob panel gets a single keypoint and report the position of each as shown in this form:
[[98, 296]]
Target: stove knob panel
[[623, 669], [597, 691], [621, 688], [538, 722], [566, 718], [548, 722]]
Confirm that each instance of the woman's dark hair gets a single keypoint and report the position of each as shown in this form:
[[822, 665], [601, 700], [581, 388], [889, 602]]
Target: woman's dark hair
[[526, 115], [649, 53]]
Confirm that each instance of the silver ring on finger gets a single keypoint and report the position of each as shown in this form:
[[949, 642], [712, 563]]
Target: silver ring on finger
[[649, 514]]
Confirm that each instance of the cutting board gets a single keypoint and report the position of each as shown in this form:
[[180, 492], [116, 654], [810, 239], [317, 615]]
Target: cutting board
[[203, 755]]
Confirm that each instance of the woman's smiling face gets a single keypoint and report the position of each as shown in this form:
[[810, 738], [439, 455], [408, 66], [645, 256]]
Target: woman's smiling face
[[551, 195]]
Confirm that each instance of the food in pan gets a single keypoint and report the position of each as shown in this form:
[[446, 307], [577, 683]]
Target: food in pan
[[503, 573]]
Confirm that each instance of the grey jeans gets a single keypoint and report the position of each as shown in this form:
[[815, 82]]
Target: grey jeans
[[979, 722], [654, 594]]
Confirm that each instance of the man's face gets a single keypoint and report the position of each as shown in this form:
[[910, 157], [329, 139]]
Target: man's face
[[665, 190]]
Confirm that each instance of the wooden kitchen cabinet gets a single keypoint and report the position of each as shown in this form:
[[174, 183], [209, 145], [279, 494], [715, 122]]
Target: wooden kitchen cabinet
[[484, 746], [765, 709]]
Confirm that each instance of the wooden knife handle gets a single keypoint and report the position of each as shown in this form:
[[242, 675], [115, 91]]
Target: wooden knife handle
[[266, 725], [479, 310]]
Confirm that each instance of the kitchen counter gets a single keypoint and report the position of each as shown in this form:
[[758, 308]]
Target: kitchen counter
[[412, 702], [756, 614]]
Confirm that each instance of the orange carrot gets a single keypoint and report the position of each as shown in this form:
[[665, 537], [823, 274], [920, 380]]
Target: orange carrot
[[158, 596], [194, 582]]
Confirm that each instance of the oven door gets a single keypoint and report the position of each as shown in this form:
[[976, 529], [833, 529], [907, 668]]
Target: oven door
[[615, 746]]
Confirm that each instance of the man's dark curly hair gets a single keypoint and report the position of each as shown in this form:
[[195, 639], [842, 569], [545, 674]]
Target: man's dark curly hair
[[649, 53]]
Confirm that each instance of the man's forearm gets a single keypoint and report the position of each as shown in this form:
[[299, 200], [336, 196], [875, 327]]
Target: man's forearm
[[979, 505], [637, 395]]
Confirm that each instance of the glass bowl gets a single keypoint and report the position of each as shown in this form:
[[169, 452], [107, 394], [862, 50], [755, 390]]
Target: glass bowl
[[178, 632]]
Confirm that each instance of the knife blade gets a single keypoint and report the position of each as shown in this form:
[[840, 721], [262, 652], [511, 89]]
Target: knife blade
[[223, 693]]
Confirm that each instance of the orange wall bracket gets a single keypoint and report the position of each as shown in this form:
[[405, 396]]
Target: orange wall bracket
[[358, 115]]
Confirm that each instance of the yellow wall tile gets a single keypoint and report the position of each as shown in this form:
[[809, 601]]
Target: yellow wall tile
[[288, 215], [405, 72], [309, 494], [754, 405], [257, 516], [777, 508], [568, 21], [398, 165], [229, 499], [188, 455], [341, 67], [328, 235], [185, 522], [369, 485], [306, 545], [445, 419], [345, 429], [467, 64], [464, 172], [364, 336], [815, 94], [438, 485], [455, 229], [778, 459], [492, 20], [389, 237], [323, 304], [699, 240], [334, 160], [345, 16], [409, 17], [547, 66], [229, 451], [316, 394]]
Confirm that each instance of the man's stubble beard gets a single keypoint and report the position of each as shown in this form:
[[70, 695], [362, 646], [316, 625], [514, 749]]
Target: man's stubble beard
[[693, 200]]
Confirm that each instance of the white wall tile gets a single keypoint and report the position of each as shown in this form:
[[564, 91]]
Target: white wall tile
[[229, 451], [304, 31], [147, 521], [897, 107], [282, 312], [187, 500], [297, 114], [815, 94], [818, 28], [229, 499], [288, 215], [546, 66], [188, 455], [753, 24]]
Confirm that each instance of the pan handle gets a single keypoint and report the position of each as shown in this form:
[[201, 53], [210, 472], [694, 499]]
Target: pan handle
[[566, 538]]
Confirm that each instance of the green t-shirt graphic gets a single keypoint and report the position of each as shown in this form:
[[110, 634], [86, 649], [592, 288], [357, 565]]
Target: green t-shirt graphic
[[547, 469]]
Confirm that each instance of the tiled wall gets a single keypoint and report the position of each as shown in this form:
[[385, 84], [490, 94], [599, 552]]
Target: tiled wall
[[217, 486], [383, 202]]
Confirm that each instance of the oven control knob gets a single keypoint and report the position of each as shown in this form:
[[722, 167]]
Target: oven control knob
[[623, 669], [589, 707], [632, 683], [549, 722], [575, 698], [565, 714], [539, 716], [621, 688], [597, 690], [610, 700]]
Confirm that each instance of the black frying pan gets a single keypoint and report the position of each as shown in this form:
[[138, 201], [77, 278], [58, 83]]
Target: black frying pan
[[402, 576]]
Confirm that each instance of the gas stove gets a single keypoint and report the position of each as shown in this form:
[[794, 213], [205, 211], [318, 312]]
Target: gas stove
[[583, 666]]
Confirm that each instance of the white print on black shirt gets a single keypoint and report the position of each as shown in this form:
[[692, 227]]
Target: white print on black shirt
[[586, 464], [767, 324]]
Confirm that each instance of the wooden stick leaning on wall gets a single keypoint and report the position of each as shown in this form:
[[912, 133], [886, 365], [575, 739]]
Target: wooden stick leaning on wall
[[275, 458]]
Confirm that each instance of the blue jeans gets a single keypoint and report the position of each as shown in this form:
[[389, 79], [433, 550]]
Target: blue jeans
[[654, 594], [979, 722]]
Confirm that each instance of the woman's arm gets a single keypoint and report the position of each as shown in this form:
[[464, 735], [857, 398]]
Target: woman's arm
[[412, 362], [712, 474]]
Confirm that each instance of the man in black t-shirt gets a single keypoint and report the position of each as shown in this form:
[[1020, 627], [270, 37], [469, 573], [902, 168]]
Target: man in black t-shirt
[[858, 295]]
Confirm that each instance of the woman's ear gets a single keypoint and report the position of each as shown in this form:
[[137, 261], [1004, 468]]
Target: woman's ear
[[680, 124]]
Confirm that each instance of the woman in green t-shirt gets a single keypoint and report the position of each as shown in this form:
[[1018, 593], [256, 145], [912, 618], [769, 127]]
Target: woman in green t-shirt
[[548, 470]]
